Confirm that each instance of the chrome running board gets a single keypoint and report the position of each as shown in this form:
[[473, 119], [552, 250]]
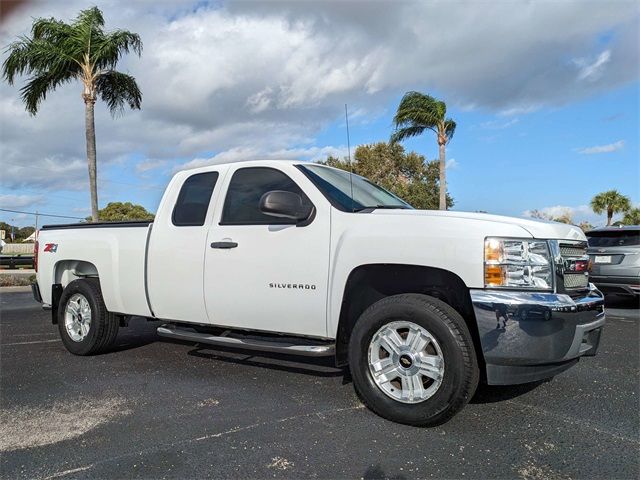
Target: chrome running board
[[268, 344]]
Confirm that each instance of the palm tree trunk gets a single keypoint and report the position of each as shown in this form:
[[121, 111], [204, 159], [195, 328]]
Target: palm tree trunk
[[609, 216], [90, 132], [443, 178]]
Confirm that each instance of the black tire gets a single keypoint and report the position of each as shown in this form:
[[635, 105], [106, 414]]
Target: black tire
[[104, 325], [461, 371]]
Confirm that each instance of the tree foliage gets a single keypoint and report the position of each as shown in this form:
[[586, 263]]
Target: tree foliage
[[20, 233], [586, 226], [123, 211], [57, 52], [418, 112], [404, 174], [610, 202], [631, 217]]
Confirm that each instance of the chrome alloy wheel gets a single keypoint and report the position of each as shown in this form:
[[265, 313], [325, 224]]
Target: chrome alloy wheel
[[406, 362], [77, 317]]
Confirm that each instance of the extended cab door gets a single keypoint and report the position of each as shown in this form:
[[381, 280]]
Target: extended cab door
[[176, 250], [263, 272]]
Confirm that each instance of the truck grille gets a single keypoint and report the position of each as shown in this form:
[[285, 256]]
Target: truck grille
[[575, 280], [570, 253], [572, 250]]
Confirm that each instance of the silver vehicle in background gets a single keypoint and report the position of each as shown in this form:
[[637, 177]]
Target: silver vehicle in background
[[615, 259]]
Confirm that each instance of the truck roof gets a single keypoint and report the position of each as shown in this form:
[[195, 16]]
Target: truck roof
[[251, 163]]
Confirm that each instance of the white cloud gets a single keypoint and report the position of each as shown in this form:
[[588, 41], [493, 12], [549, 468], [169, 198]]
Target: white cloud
[[18, 201], [150, 164], [452, 164], [580, 213], [594, 70], [499, 125], [611, 147], [241, 154], [261, 79]]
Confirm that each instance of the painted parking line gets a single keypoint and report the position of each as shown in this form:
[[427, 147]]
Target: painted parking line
[[28, 343]]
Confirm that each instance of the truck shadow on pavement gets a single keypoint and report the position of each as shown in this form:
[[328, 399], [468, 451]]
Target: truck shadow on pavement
[[375, 472], [139, 333], [499, 393], [317, 367]]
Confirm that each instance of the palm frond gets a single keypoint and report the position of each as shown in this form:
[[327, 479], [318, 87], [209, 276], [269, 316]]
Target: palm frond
[[449, 128], [406, 132], [57, 52], [90, 16], [107, 49], [49, 29], [117, 90], [36, 89], [610, 200], [417, 110]]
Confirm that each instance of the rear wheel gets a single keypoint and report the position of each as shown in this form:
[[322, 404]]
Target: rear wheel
[[412, 360], [85, 325]]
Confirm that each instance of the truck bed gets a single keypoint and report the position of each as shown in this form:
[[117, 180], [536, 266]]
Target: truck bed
[[117, 250]]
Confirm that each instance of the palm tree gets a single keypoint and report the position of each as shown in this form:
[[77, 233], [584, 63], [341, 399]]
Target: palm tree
[[418, 112], [610, 202], [58, 52], [632, 217]]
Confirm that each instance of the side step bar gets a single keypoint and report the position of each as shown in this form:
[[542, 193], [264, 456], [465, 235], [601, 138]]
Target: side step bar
[[264, 345]]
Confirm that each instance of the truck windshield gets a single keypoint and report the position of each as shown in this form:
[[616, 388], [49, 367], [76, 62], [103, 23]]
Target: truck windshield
[[335, 184]]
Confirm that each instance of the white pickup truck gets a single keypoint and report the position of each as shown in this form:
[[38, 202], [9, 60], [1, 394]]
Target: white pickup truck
[[304, 259]]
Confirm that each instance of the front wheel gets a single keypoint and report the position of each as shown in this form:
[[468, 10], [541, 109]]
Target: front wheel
[[85, 325], [412, 360]]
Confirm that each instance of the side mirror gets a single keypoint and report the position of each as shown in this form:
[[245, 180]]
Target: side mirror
[[279, 203]]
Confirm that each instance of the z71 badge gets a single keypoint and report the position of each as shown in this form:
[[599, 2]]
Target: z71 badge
[[50, 247]]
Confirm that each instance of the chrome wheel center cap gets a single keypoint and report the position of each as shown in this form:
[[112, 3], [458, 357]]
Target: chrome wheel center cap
[[406, 361]]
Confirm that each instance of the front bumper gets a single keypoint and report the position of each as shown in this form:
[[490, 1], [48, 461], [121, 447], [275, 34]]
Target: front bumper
[[529, 336]]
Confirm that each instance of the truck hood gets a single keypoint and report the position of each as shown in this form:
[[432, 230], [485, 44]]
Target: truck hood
[[536, 228]]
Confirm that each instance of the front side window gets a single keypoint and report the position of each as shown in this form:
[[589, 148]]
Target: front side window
[[193, 200], [247, 186]]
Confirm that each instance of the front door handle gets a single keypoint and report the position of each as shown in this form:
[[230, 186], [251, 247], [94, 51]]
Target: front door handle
[[224, 245]]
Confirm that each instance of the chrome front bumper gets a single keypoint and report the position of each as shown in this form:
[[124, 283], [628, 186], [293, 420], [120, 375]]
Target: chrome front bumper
[[529, 336]]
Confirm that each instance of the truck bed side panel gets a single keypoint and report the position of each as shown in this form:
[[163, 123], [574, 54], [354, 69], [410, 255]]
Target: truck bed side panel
[[118, 254]]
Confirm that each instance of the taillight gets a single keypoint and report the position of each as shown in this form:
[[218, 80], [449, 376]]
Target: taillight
[[35, 256]]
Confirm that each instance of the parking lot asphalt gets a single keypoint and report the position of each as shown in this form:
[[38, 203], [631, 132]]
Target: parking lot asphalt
[[159, 409]]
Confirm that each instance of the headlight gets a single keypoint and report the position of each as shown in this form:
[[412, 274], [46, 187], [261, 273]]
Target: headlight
[[515, 263]]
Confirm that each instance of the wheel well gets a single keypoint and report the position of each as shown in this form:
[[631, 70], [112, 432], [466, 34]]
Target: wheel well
[[369, 283], [66, 271]]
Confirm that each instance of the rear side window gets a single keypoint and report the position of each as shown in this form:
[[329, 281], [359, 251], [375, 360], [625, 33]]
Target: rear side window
[[242, 205], [622, 238], [193, 200]]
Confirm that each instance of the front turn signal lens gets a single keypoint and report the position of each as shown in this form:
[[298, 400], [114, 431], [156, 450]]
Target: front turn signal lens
[[494, 276]]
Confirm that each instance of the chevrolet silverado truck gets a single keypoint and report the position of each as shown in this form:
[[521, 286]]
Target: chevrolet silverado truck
[[304, 259]]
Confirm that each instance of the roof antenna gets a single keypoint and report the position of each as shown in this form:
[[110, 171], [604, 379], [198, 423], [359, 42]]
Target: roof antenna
[[346, 116]]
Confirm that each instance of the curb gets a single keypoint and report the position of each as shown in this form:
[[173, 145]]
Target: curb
[[15, 289]]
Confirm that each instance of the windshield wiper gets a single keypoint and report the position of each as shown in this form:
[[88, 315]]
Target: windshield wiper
[[371, 208]]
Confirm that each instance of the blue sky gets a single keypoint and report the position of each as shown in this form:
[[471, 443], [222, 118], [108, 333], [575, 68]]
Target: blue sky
[[546, 119]]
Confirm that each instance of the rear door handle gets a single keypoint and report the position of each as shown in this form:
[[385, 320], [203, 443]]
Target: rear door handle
[[224, 245]]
